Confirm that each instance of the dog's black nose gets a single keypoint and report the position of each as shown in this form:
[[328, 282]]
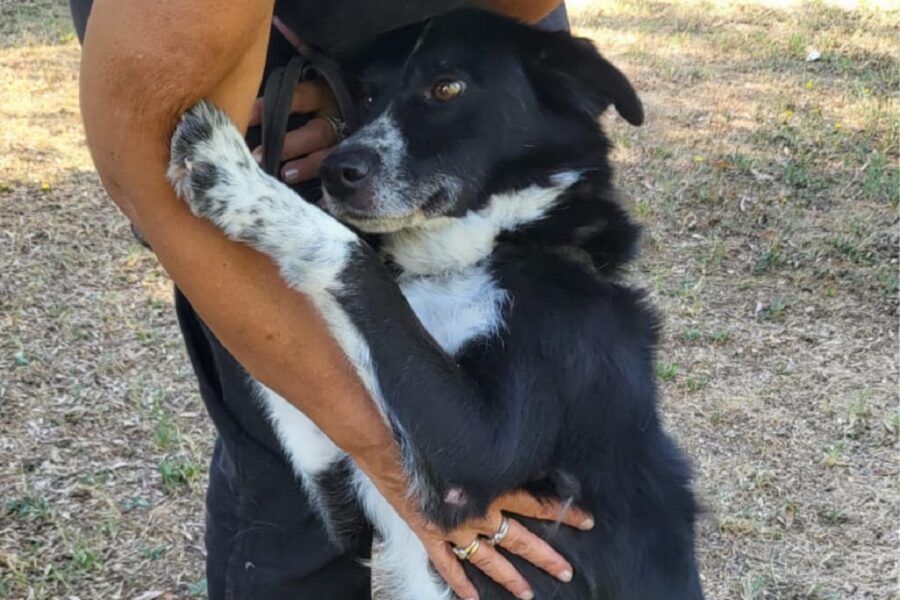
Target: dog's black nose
[[346, 170]]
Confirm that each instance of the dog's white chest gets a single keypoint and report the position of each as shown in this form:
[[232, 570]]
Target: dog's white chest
[[457, 307]]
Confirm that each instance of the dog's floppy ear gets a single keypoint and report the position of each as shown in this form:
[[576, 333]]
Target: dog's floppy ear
[[569, 73]]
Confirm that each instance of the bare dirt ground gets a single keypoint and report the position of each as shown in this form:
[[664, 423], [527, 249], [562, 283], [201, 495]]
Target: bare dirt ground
[[768, 186]]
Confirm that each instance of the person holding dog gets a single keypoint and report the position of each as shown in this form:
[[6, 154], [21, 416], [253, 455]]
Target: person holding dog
[[143, 64]]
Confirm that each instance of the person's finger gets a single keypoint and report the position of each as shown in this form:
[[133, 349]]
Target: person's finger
[[317, 134], [308, 97], [312, 97], [523, 503], [451, 571], [305, 168], [522, 542], [494, 565]]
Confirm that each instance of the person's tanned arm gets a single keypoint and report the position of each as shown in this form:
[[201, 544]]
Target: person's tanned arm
[[136, 80], [530, 11], [143, 64]]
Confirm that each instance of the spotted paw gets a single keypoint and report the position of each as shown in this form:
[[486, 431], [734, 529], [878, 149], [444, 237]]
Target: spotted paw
[[208, 161]]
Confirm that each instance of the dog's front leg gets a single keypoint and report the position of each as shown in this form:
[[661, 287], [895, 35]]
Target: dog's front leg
[[213, 171], [451, 441]]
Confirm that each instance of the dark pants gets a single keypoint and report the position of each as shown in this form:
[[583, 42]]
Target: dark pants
[[263, 540]]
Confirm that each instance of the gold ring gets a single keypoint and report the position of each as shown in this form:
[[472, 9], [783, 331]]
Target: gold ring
[[469, 551], [338, 126]]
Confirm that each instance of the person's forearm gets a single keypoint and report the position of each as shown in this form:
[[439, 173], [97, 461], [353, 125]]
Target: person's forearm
[[131, 96], [530, 11]]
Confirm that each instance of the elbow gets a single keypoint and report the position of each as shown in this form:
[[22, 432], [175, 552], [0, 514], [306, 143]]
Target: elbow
[[130, 93], [119, 103], [127, 124]]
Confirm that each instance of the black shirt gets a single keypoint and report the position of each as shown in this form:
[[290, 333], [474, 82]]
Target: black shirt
[[340, 26]]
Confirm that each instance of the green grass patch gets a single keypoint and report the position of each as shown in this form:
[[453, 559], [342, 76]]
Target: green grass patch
[[797, 44], [165, 433], [29, 508], [135, 503], [754, 587], [198, 589], [769, 259], [834, 456], [774, 310], [889, 279], [152, 552], [85, 559], [719, 336], [95, 478], [692, 335], [796, 174], [882, 180], [695, 383], [177, 472], [850, 249], [892, 423], [833, 516], [666, 371], [741, 162]]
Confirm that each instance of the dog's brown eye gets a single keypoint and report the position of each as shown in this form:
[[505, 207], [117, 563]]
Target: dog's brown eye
[[447, 89]]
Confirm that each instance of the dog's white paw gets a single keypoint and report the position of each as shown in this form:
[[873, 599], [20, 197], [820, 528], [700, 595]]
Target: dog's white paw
[[211, 167]]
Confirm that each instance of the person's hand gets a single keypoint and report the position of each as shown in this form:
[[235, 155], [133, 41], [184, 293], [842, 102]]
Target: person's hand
[[518, 540], [381, 463], [307, 146]]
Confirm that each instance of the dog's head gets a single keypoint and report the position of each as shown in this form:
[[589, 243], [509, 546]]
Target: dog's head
[[455, 105]]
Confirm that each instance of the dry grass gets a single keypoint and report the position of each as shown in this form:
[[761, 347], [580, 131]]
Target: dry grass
[[103, 440], [768, 187]]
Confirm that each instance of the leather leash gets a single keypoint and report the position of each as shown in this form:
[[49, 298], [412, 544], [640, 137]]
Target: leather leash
[[307, 64]]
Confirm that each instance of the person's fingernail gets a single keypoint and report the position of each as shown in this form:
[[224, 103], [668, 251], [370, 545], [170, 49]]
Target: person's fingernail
[[257, 155], [565, 576], [587, 523], [529, 595], [291, 175]]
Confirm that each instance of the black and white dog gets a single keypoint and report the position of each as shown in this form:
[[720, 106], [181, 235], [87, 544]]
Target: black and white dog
[[484, 311]]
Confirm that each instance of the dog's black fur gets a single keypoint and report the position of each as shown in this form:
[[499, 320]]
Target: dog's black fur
[[560, 400]]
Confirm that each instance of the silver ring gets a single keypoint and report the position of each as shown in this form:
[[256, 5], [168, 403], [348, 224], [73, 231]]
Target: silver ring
[[501, 533], [469, 551], [338, 126]]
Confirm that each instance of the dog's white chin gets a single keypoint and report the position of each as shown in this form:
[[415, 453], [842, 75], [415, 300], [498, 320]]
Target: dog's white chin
[[384, 224], [374, 223]]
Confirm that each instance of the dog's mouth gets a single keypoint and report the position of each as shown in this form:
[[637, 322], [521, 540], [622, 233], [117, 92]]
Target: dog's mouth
[[369, 221], [397, 213]]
